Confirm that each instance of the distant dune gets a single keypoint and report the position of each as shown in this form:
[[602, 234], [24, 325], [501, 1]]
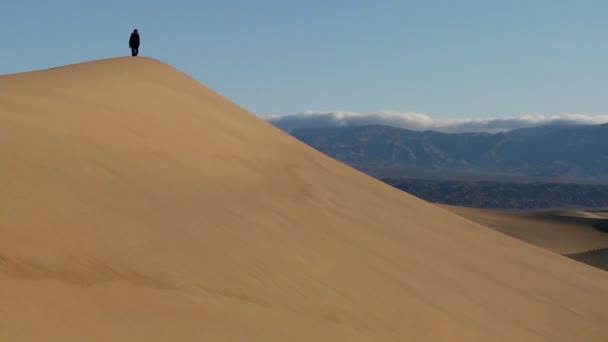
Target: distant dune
[[574, 213], [577, 234], [138, 205], [595, 257]]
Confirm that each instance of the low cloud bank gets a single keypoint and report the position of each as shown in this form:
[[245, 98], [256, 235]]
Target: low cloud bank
[[423, 122]]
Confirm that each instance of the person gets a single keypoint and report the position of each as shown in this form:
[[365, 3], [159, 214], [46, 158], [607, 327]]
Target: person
[[134, 43]]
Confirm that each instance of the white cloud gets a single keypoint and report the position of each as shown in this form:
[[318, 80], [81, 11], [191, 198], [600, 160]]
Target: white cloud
[[421, 122]]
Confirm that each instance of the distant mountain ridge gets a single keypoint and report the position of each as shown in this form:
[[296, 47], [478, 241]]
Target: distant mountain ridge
[[506, 195], [546, 151]]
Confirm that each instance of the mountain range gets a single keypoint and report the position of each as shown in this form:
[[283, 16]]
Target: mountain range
[[545, 151]]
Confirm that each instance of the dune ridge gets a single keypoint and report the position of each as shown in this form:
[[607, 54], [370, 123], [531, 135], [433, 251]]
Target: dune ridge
[[137, 204]]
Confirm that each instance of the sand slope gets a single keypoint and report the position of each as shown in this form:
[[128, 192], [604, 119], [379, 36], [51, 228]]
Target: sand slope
[[595, 257], [138, 205], [579, 235], [563, 232]]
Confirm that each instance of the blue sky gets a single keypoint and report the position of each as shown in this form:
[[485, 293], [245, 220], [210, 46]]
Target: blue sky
[[447, 59]]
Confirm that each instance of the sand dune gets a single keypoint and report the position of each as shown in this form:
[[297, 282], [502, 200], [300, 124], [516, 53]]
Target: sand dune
[[138, 205], [574, 213], [601, 214], [595, 257], [579, 235], [563, 232]]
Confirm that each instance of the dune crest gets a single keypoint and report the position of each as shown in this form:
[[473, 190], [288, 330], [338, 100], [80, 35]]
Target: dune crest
[[138, 205]]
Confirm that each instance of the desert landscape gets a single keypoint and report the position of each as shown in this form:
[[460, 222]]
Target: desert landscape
[[580, 235], [136, 204]]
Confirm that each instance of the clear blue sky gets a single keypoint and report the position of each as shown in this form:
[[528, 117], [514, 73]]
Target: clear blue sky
[[468, 58]]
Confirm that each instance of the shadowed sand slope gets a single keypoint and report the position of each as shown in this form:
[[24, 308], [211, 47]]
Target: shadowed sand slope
[[563, 232], [138, 205], [596, 257]]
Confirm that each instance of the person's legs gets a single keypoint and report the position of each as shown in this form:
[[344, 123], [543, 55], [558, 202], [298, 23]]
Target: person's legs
[[132, 51], [136, 51]]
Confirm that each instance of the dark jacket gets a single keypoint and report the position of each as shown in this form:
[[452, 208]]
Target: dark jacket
[[134, 40]]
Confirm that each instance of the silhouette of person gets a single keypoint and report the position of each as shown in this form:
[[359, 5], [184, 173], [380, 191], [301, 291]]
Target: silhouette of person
[[134, 43]]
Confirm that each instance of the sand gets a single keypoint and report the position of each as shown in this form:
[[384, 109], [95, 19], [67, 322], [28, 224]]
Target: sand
[[595, 257], [563, 232], [579, 235], [138, 205]]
